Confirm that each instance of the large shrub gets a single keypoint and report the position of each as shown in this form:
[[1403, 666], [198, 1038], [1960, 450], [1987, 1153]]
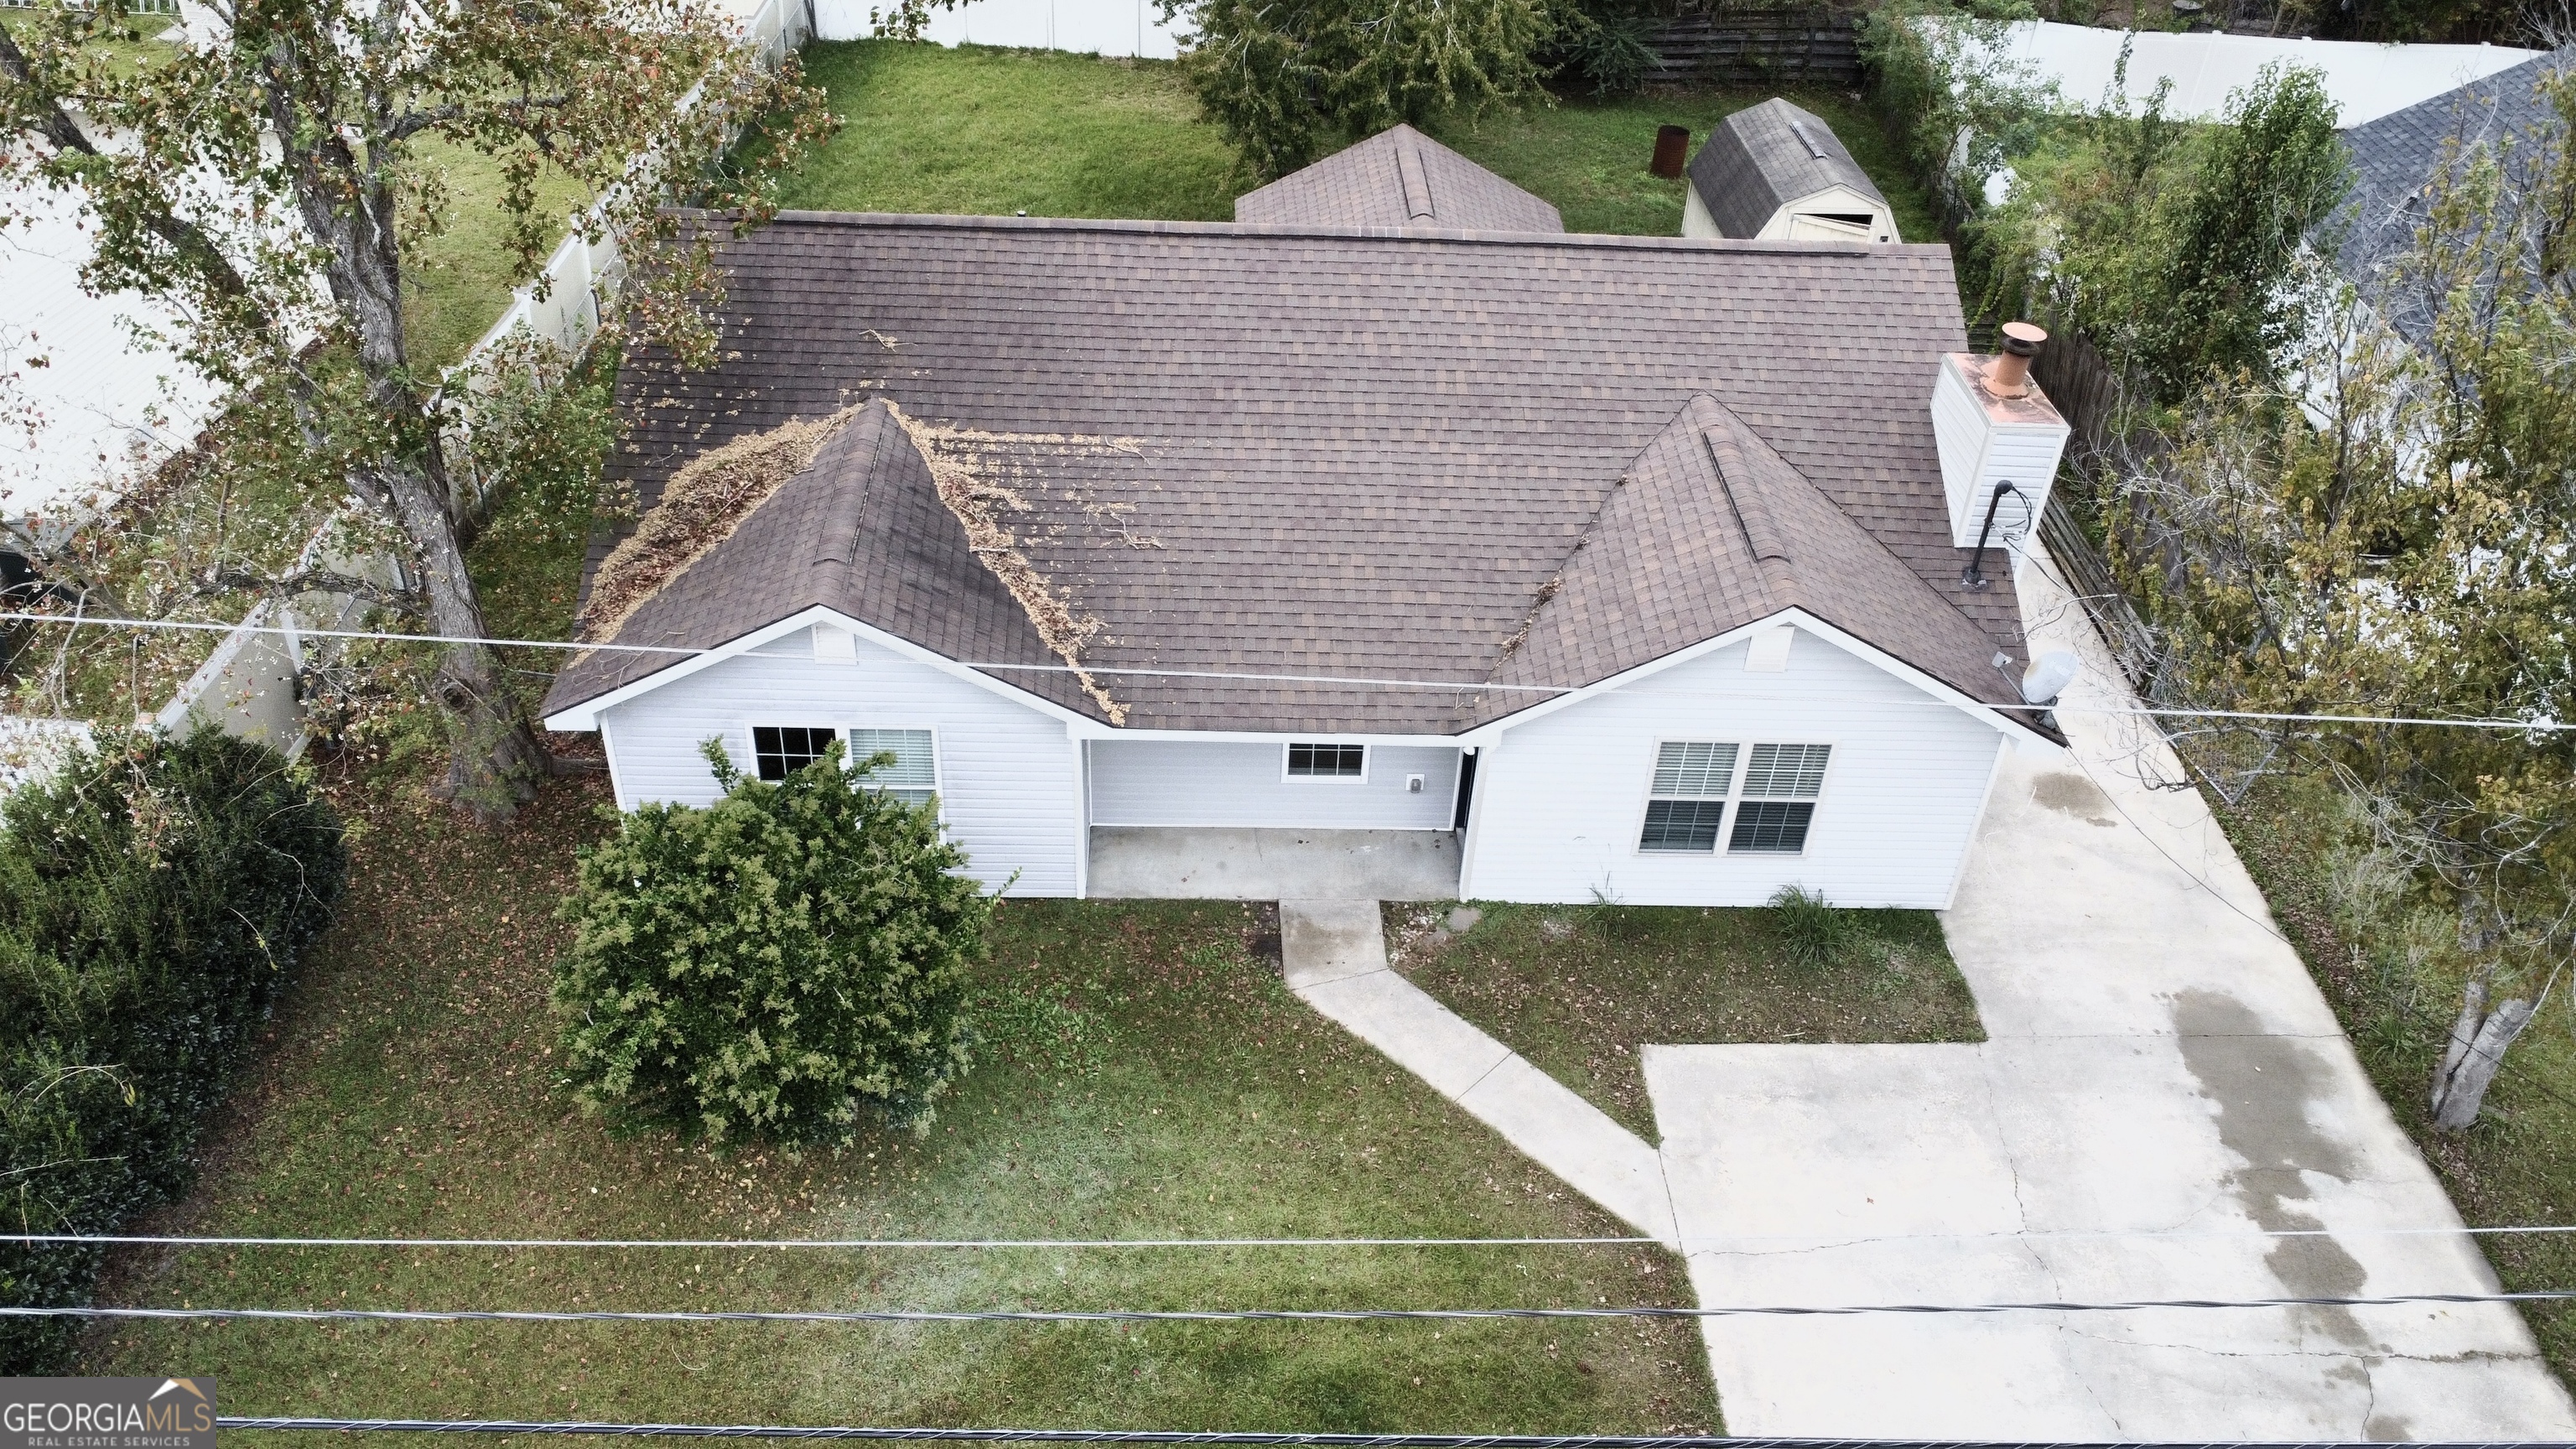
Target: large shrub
[[786, 964], [153, 896]]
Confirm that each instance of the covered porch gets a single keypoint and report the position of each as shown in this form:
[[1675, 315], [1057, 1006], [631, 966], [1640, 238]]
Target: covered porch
[[1234, 863]]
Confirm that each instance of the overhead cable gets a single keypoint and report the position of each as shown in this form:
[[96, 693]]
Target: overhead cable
[[1465, 686], [1235, 1315]]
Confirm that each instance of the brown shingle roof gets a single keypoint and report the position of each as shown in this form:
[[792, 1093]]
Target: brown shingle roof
[[1397, 178], [1253, 450]]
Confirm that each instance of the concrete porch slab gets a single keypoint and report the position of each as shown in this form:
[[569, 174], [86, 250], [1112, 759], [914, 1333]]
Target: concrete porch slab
[[1141, 862]]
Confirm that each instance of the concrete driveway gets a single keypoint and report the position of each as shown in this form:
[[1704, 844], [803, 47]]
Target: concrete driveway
[[2162, 1081]]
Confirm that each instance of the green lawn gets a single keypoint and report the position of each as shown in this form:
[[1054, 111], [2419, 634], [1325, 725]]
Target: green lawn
[[457, 282], [983, 131], [1145, 1074], [1578, 990]]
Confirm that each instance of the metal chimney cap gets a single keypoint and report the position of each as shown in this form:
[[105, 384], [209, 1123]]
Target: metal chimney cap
[[2022, 339]]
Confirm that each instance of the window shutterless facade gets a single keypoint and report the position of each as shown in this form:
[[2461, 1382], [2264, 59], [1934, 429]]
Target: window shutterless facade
[[1775, 800], [1327, 762], [780, 750]]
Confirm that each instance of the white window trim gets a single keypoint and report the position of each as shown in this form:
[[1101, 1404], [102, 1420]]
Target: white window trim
[[1735, 797], [1368, 758], [938, 756]]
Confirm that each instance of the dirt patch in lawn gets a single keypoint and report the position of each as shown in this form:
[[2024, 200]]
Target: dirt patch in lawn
[[1577, 990]]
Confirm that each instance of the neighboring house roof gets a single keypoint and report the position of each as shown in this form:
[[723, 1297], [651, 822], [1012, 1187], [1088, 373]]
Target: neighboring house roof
[[1763, 158], [2396, 157], [1317, 452], [1397, 178]]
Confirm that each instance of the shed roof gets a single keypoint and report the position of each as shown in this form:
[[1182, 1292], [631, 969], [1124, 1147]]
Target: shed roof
[[1397, 178], [1231, 450], [1763, 158]]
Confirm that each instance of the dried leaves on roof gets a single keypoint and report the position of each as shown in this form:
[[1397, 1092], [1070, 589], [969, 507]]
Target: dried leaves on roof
[[701, 506]]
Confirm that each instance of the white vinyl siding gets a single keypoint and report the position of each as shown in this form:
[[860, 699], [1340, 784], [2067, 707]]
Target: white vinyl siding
[[1561, 801], [1006, 774], [1243, 783]]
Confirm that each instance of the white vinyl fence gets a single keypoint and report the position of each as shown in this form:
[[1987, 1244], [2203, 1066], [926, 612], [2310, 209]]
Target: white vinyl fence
[[2365, 80], [1094, 27]]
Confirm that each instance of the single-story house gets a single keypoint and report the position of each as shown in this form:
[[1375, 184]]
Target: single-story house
[[1637, 563], [1777, 172]]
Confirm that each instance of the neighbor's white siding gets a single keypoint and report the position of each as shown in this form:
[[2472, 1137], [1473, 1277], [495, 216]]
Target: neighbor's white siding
[[1190, 782], [1560, 800], [1009, 790]]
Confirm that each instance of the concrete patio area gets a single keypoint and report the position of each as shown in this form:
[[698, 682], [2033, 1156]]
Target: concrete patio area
[[1191, 863]]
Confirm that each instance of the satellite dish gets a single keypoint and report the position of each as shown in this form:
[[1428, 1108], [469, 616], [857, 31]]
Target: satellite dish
[[2049, 675]]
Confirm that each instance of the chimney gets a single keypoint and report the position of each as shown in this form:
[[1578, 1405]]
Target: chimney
[[1994, 427]]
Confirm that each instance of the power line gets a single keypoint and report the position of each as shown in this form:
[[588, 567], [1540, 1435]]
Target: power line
[[2511, 726], [1233, 1315], [1125, 1244], [1237, 1437]]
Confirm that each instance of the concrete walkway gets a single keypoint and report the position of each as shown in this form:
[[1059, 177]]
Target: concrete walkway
[[2162, 1079], [1334, 952]]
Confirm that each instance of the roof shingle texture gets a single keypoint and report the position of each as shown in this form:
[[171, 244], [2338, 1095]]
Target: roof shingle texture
[[1277, 451], [1764, 157], [2395, 157], [1397, 178]]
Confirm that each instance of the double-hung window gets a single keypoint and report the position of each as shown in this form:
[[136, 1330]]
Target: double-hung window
[[1781, 783], [1774, 797], [1688, 801], [913, 778], [780, 750]]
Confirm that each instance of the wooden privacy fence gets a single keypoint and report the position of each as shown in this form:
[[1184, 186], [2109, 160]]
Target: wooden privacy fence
[[1758, 47]]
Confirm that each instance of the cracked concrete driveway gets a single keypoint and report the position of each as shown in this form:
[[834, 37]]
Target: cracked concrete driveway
[[2161, 1080]]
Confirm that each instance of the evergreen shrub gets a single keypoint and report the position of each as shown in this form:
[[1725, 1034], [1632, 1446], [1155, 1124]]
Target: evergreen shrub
[[154, 896], [789, 964]]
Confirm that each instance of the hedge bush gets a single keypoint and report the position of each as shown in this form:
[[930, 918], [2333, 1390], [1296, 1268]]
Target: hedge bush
[[153, 897], [787, 964]]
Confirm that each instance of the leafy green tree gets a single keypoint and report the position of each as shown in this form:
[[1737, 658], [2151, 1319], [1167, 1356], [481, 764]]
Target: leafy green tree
[[2383, 527], [788, 964], [1291, 80], [272, 182]]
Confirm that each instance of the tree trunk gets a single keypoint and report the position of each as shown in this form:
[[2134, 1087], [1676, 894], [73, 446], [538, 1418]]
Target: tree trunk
[[2479, 1040]]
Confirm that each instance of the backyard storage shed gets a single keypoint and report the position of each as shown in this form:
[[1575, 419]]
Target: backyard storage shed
[[1775, 172], [1625, 562]]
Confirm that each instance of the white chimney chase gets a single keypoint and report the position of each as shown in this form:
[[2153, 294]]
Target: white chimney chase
[[1995, 427]]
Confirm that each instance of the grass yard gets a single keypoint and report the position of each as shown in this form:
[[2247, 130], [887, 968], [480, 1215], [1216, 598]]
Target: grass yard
[[2396, 1002], [458, 282], [1589, 157], [1578, 990], [984, 131], [1146, 1074]]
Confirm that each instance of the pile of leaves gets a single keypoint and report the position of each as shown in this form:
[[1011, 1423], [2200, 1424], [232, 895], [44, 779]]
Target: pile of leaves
[[154, 896], [789, 964]]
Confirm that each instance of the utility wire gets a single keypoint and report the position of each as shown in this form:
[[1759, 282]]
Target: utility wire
[[1233, 1315], [1121, 1244], [1372, 681], [1319, 1441]]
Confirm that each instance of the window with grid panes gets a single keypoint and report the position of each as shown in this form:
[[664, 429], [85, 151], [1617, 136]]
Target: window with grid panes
[[779, 750], [1687, 802], [913, 778], [1781, 783], [1328, 762]]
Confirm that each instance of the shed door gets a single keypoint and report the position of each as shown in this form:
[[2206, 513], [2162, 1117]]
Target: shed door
[[1806, 226]]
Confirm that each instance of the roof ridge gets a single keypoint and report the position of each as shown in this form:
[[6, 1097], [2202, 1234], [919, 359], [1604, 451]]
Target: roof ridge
[[1771, 554], [1412, 175], [1595, 241]]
